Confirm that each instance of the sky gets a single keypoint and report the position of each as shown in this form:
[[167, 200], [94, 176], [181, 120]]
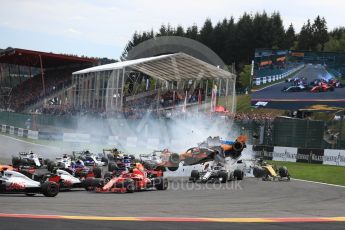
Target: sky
[[101, 28]]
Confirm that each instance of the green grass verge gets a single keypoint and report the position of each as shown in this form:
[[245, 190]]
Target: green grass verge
[[244, 106], [314, 172]]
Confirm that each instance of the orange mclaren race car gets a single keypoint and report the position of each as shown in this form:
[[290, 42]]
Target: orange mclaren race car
[[209, 150]]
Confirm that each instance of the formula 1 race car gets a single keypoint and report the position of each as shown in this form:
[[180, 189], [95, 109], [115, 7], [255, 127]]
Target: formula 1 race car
[[136, 179], [64, 162], [335, 83], [317, 82], [322, 87], [213, 149], [15, 182], [78, 169], [27, 159], [295, 88], [217, 174], [269, 172], [90, 159], [68, 181]]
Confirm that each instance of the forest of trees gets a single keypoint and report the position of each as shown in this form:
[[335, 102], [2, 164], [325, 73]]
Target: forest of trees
[[235, 41]]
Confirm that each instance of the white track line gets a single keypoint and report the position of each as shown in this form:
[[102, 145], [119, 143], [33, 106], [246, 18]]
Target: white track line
[[315, 182]]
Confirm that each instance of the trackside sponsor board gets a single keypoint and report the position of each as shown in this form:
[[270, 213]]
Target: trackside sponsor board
[[310, 155], [334, 157], [33, 134], [20, 132], [264, 151], [285, 154]]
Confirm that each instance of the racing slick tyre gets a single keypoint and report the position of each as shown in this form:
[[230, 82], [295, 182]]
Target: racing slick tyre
[[223, 176], [283, 172], [173, 169], [16, 161], [97, 172], [87, 183], [163, 184], [105, 161], [50, 189], [238, 174], [194, 175], [129, 184], [258, 172], [107, 177], [174, 158], [112, 167], [51, 166]]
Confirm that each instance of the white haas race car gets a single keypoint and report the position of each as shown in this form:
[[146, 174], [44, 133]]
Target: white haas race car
[[68, 181], [15, 182]]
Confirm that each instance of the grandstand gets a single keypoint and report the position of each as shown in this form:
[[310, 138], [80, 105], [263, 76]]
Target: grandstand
[[30, 78], [160, 82]]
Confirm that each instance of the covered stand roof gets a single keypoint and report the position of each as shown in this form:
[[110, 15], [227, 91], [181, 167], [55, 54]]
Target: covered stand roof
[[169, 67], [32, 58]]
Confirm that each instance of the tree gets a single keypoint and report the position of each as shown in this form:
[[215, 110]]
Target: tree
[[179, 31], [320, 33], [305, 38], [337, 32], [206, 34], [245, 75], [162, 31], [192, 32], [277, 30], [245, 40], [336, 43], [289, 38]]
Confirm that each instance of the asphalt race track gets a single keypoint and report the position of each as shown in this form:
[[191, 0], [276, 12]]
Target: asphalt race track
[[10, 146], [277, 99], [251, 198], [273, 205]]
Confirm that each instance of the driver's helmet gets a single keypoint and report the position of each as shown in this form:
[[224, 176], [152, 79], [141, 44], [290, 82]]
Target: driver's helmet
[[64, 156], [31, 153]]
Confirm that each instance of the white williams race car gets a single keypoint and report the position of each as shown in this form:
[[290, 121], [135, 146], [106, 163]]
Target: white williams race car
[[27, 159], [15, 182], [63, 162]]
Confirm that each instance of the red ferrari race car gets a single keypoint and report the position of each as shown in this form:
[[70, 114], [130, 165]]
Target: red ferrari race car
[[136, 179], [322, 87]]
